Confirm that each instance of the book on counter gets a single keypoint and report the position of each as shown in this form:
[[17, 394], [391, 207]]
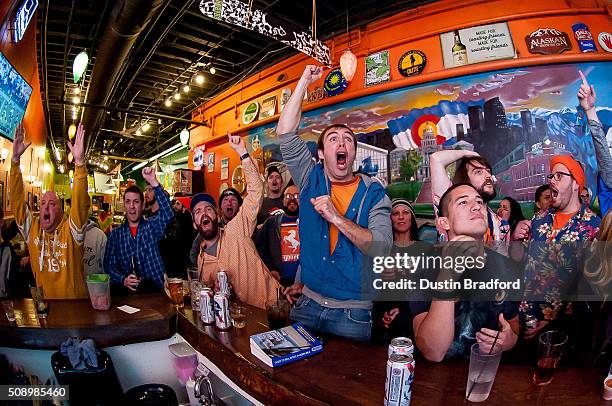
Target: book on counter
[[287, 344]]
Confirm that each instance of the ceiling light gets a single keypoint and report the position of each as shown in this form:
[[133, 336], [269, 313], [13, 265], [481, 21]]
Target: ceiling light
[[70, 157], [76, 99], [177, 96], [79, 66], [168, 102], [159, 122], [212, 70], [105, 167], [77, 90], [138, 132], [146, 127], [199, 78], [186, 89]]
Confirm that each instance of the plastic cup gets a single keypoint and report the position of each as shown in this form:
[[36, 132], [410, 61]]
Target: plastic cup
[[98, 285], [9, 310], [483, 368]]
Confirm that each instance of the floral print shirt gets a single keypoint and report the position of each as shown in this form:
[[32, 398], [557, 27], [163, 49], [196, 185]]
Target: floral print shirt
[[554, 260]]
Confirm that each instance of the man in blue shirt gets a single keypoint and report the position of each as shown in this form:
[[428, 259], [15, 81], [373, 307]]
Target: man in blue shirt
[[344, 221], [132, 256]]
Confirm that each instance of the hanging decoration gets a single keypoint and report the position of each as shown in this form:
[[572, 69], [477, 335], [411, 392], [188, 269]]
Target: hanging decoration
[[79, 66], [334, 83], [184, 136], [348, 64], [239, 13]]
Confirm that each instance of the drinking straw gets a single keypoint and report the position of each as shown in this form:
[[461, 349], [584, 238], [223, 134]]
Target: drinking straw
[[482, 368]]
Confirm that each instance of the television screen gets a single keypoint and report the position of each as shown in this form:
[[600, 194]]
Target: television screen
[[14, 96]]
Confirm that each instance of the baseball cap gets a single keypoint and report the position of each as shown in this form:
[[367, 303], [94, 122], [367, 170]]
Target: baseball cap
[[230, 192], [202, 197]]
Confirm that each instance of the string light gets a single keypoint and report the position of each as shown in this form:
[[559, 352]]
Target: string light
[[168, 102], [177, 96], [199, 78], [186, 89], [146, 127], [212, 70]]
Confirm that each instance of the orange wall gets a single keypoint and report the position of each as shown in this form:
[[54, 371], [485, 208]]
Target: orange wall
[[414, 29], [23, 57]]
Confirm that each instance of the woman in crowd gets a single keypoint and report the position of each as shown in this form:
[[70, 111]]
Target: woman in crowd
[[392, 316], [510, 210]]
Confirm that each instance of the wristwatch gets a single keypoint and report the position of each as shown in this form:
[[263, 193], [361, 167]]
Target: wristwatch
[[244, 156]]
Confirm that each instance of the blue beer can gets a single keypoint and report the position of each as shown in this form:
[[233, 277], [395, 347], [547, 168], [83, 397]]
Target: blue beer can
[[584, 37]]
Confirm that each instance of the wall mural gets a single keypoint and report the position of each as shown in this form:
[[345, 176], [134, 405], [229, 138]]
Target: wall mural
[[516, 118]]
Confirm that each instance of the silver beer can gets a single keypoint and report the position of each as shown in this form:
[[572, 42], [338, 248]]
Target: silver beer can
[[400, 374], [207, 312], [223, 282], [223, 320], [401, 345]]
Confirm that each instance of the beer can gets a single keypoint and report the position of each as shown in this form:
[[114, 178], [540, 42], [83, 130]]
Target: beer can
[[223, 282], [207, 312], [401, 345], [223, 321], [400, 374]]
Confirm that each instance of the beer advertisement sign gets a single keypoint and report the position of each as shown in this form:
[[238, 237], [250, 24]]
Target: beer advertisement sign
[[477, 44], [548, 41], [377, 69], [411, 63]]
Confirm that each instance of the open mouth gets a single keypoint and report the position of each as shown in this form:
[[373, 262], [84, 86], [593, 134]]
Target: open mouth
[[554, 193], [229, 211], [341, 159], [205, 221], [46, 217]]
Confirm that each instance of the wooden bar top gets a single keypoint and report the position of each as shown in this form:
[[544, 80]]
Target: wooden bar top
[[350, 373], [156, 320]]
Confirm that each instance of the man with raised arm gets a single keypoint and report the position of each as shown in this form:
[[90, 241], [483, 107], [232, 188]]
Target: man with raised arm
[[344, 218], [55, 243]]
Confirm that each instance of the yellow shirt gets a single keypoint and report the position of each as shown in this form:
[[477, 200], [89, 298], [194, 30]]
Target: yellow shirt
[[341, 195], [57, 258]]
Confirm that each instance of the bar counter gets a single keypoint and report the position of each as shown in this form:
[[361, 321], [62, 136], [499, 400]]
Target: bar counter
[[345, 373]]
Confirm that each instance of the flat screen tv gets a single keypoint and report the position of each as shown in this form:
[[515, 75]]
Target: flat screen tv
[[14, 96]]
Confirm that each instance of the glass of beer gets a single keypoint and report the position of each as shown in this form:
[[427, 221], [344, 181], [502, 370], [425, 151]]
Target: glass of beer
[[238, 314], [483, 368], [550, 350], [175, 286]]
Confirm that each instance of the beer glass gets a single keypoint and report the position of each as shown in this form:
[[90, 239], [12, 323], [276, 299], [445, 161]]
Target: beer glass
[[193, 274], [278, 313], [175, 286], [483, 368], [550, 349], [9, 310]]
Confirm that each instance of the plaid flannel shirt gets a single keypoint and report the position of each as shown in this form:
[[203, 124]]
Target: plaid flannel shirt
[[143, 251]]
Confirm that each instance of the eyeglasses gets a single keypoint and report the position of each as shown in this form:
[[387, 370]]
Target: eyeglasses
[[292, 196], [557, 175]]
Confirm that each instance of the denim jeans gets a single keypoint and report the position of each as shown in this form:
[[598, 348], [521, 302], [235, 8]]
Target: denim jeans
[[350, 323]]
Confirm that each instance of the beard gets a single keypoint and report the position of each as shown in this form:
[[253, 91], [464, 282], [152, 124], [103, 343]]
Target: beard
[[486, 195], [210, 233], [291, 213]]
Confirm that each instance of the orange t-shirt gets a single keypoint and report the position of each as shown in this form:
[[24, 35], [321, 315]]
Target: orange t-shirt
[[133, 231], [561, 220], [341, 195]]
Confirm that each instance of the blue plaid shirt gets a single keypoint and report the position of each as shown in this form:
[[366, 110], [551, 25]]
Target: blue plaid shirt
[[123, 250]]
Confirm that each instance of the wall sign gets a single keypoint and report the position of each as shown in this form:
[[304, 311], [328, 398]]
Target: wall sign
[[377, 69], [211, 162], [412, 63], [250, 112], [317, 94], [605, 41], [23, 17], [334, 83], [548, 41], [584, 37], [224, 169], [285, 95], [198, 157], [239, 13], [477, 44], [268, 107]]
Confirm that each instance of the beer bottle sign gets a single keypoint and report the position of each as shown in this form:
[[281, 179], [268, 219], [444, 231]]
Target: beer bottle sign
[[459, 51]]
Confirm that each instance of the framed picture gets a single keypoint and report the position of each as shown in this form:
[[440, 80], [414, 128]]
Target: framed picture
[[211, 162], [225, 168]]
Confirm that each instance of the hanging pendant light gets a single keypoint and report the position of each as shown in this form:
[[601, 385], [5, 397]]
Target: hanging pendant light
[[158, 169], [184, 136], [79, 65], [348, 64], [71, 131]]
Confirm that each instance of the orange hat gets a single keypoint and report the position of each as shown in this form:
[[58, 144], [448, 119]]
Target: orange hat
[[572, 166]]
